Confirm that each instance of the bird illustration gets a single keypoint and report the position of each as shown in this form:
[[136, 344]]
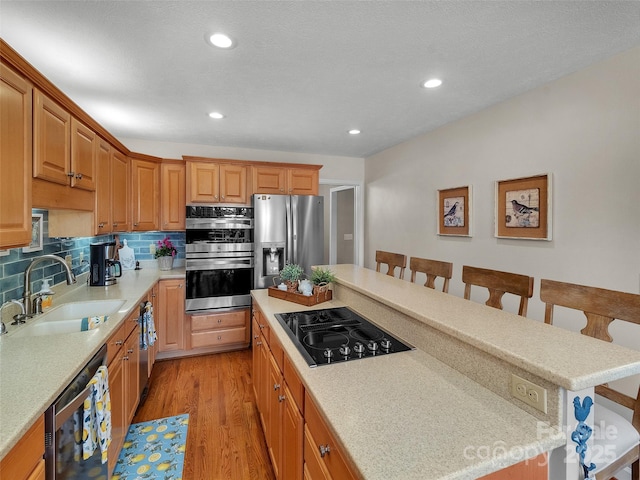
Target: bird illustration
[[520, 209], [452, 210]]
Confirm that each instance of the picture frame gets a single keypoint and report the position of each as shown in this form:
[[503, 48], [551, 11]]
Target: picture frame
[[523, 208], [454, 211], [36, 233]]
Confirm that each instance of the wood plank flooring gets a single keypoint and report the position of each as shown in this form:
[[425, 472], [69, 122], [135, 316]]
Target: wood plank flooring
[[224, 439]]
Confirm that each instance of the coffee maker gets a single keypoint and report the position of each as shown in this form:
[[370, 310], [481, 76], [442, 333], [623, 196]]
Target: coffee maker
[[104, 268]]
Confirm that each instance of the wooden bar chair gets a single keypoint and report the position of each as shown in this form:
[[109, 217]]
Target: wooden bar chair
[[601, 307], [392, 260], [432, 269], [498, 284]]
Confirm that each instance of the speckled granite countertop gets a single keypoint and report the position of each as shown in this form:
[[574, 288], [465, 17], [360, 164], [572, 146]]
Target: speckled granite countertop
[[568, 359], [409, 416], [35, 370]]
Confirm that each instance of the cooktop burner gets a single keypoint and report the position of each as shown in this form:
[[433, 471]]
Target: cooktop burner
[[334, 335]]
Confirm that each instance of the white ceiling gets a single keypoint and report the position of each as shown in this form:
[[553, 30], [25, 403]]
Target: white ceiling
[[305, 72]]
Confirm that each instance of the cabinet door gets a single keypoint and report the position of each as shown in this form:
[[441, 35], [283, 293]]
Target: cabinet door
[[116, 393], [103, 188], [170, 325], [273, 432], [145, 192], [314, 468], [233, 184], [173, 196], [132, 374], [15, 159], [203, 182], [51, 140], [83, 156], [292, 437], [302, 181], [270, 180], [120, 192]]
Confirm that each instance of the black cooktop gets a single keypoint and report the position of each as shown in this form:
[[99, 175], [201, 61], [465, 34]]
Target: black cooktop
[[335, 335]]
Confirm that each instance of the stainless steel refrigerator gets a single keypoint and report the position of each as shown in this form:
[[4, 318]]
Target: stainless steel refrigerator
[[288, 228]]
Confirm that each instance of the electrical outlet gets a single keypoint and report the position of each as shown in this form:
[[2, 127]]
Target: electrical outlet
[[530, 393], [68, 260]]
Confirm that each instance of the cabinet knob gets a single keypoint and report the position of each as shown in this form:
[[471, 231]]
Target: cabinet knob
[[101, 225], [219, 337], [125, 358], [276, 386], [222, 197], [179, 285], [130, 351], [281, 398], [119, 342], [135, 224], [219, 320], [79, 176], [282, 189], [71, 174], [215, 197], [324, 450], [258, 343], [115, 225]]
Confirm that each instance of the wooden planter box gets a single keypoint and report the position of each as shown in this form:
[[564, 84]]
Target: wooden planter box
[[296, 297]]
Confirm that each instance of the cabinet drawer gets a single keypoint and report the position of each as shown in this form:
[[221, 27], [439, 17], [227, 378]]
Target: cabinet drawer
[[314, 468], [218, 320], [213, 338], [319, 433], [295, 385], [116, 341]]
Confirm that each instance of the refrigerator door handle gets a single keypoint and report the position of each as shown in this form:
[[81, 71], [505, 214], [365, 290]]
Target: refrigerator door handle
[[289, 247]]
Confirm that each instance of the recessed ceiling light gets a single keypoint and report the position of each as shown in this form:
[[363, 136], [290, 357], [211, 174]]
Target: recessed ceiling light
[[221, 40], [432, 83], [354, 132], [216, 115]]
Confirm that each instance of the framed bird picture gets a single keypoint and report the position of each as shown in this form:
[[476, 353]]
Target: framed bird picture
[[454, 211], [523, 208]]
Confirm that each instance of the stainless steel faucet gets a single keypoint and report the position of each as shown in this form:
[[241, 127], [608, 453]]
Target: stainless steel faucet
[[19, 318], [27, 278]]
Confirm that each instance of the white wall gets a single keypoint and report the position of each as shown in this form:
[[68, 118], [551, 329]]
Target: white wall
[[335, 167], [584, 129]]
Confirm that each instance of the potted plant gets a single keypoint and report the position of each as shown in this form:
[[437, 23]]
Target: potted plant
[[165, 251], [321, 278], [291, 274]]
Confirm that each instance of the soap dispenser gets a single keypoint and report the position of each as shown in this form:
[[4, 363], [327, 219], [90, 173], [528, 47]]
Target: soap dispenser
[[46, 294]]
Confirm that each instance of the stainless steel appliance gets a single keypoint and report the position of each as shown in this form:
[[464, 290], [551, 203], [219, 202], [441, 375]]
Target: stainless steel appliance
[[289, 228], [60, 431], [219, 257], [104, 269], [334, 335]]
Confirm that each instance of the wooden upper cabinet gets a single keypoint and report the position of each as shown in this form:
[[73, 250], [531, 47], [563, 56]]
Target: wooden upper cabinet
[[209, 182], [51, 140], [15, 159], [302, 181], [203, 182], [173, 196], [103, 188], [284, 180], [233, 184], [83, 156], [145, 194], [64, 148], [269, 180], [120, 192]]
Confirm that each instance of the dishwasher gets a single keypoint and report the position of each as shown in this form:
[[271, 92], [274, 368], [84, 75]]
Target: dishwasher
[[62, 438]]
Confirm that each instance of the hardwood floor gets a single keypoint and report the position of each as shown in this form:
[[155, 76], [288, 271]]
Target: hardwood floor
[[224, 439]]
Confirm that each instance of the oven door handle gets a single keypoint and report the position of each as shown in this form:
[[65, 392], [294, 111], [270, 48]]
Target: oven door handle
[[224, 224], [70, 408], [222, 264]]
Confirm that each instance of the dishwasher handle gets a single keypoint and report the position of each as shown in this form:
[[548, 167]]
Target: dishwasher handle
[[63, 412]]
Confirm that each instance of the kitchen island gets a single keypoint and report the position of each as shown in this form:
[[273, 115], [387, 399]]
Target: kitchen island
[[34, 370], [444, 410]]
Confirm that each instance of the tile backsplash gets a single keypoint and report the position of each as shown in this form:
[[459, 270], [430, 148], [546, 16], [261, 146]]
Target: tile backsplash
[[14, 262]]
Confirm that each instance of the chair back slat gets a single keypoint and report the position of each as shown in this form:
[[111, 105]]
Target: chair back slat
[[498, 283], [432, 269], [601, 307], [392, 260]]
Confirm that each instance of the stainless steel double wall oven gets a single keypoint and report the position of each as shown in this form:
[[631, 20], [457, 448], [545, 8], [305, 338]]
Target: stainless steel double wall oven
[[219, 257]]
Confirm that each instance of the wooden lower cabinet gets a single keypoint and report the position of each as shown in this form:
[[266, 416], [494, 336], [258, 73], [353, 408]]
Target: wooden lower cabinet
[[123, 357], [25, 460], [170, 315], [534, 469], [225, 330]]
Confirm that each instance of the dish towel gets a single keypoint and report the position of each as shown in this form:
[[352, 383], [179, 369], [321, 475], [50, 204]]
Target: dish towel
[[96, 417], [148, 334], [89, 323]]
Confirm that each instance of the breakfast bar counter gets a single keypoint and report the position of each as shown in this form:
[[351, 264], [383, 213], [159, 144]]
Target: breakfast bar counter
[[444, 410]]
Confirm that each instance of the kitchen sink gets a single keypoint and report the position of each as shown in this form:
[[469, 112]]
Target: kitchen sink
[[67, 318]]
